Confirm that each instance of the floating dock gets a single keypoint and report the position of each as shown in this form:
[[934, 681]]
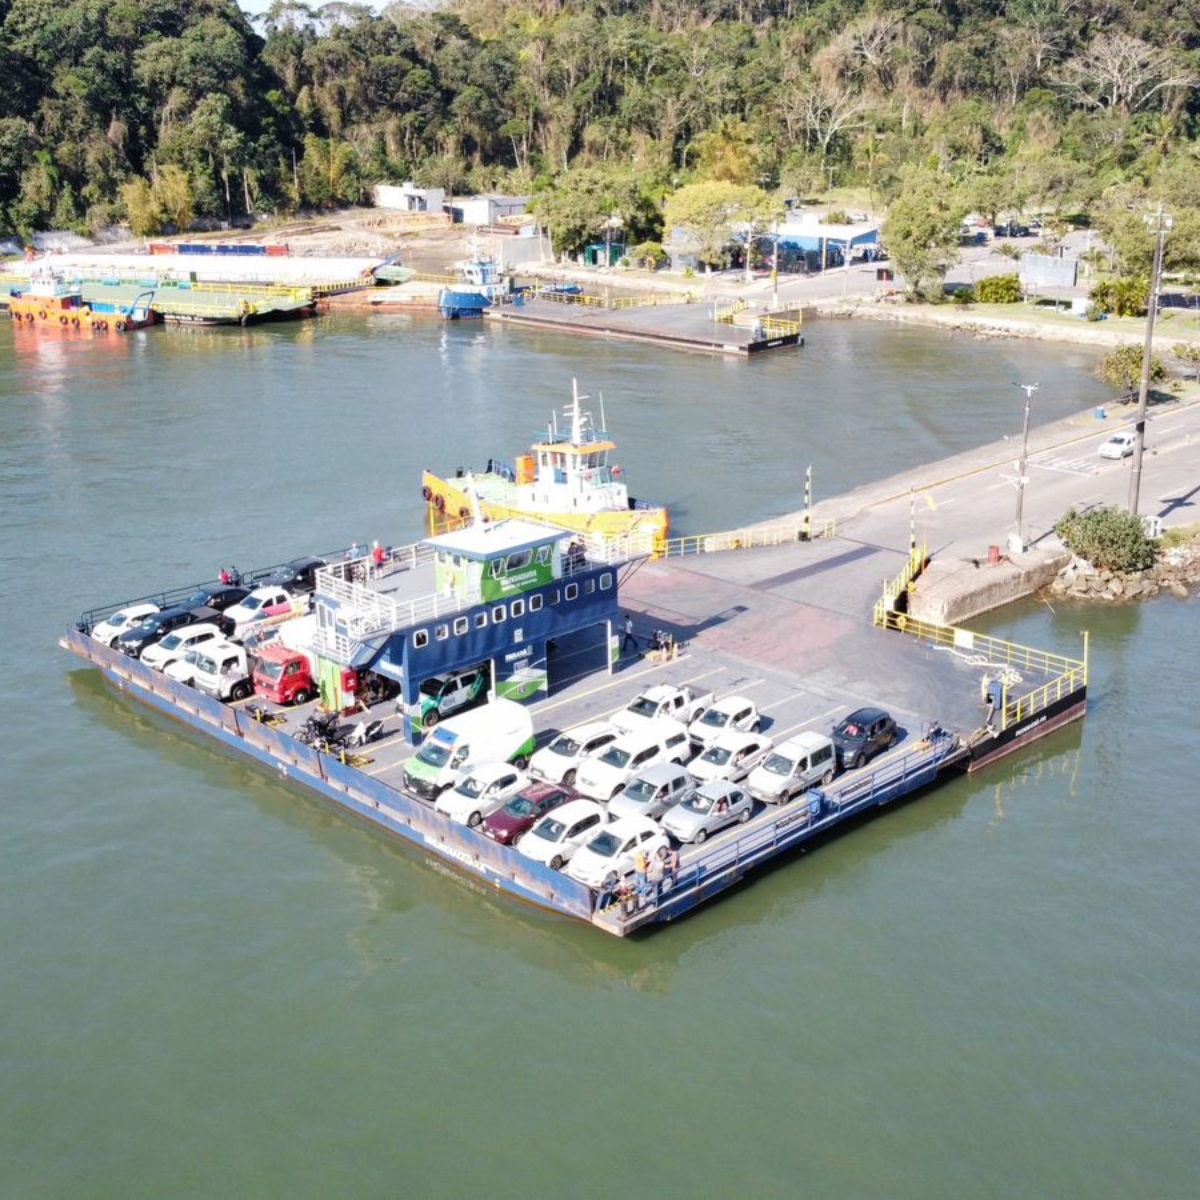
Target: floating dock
[[749, 623]]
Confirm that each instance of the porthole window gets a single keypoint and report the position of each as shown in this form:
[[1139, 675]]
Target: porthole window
[[606, 581], [420, 638], [441, 632], [461, 625], [499, 613], [517, 608], [572, 591], [481, 620], [535, 603], [589, 586]]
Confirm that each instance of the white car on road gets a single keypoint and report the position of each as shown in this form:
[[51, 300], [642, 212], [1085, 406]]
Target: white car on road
[[1120, 445]]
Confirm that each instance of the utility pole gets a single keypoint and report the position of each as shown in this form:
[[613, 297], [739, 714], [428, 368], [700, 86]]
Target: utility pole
[[1028, 389], [1135, 474]]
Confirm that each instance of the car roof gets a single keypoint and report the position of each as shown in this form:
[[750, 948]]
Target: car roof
[[307, 560], [624, 826], [572, 810], [802, 743], [539, 788], [174, 611], [587, 729], [491, 770], [733, 738], [725, 703], [863, 716], [716, 788], [660, 772]]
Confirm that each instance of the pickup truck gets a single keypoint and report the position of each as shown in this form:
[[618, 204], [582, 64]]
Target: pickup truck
[[220, 668], [663, 700]]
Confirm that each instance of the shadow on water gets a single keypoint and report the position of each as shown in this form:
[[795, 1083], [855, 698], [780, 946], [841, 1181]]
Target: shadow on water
[[397, 877]]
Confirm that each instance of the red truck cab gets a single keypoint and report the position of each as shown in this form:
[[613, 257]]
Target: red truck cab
[[283, 676]]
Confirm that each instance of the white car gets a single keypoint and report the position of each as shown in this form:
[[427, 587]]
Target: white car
[[1120, 445], [556, 837], [558, 762], [262, 603], [732, 756], [728, 713], [111, 628], [714, 805], [610, 853], [480, 792], [177, 643]]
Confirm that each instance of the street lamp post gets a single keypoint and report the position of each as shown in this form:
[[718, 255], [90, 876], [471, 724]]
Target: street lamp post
[[1135, 474], [1028, 389]]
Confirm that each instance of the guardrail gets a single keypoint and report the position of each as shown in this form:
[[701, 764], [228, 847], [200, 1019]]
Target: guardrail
[[774, 327], [749, 539], [725, 314]]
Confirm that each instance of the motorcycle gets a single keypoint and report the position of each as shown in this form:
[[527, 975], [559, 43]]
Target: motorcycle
[[319, 729], [364, 733]]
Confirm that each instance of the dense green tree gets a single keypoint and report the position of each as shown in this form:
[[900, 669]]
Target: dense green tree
[[923, 227]]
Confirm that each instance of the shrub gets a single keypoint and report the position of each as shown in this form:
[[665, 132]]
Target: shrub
[[1124, 297], [1122, 368], [963, 296], [1109, 538], [999, 289]]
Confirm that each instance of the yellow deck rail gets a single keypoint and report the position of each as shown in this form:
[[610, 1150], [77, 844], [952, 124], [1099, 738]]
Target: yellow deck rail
[[725, 313], [746, 539], [1008, 661], [774, 327]]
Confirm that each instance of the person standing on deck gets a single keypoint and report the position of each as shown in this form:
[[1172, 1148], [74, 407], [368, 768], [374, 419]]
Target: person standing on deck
[[628, 634]]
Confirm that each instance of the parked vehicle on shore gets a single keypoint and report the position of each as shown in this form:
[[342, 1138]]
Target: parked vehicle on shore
[[1120, 445], [792, 768], [716, 804], [556, 837], [863, 734]]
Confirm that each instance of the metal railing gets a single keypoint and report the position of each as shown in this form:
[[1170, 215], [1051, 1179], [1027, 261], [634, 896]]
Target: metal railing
[[748, 539], [725, 313], [774, 327]]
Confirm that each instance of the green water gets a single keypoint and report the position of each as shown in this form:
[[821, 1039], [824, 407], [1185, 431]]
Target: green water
[[213, 985]]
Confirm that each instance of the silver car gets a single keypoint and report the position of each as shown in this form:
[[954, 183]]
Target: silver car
[[715, 805]]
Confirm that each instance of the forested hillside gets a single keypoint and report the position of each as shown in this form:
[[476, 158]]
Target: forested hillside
[[159, 111]]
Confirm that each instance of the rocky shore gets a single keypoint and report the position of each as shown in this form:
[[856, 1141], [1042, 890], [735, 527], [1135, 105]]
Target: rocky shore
[[1176, 572]]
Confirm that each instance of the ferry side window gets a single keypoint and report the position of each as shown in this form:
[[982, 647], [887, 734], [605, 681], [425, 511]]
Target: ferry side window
[[441, 632], [606, 581], [460, 626], [589, 586], [543, 555], [517, 608], [499, 614], [421, 639], [481, 620], [497, 567], [535, 603], [572, 591]]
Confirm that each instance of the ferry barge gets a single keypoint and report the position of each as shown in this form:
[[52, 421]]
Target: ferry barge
[[507, 594]]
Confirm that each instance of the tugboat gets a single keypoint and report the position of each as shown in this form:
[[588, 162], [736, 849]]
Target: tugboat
[[566, 479], [51, 303], [483, 282]]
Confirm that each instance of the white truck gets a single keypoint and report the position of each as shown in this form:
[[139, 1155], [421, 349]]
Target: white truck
[[219, 668], [681, 704]]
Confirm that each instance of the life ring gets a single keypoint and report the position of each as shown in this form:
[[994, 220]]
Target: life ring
[[29, 316], [102, 325], [75, 322], [464, 512], [120, 326], [439, 502], [64, 319], [42, 315], [426, 493]]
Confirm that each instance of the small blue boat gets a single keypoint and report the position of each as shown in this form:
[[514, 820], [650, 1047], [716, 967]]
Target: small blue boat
[[484, 282]]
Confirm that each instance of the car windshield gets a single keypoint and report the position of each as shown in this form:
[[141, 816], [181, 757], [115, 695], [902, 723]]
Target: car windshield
[[604, 844], [643, 708], [615, 756], [201, 663], [714, 718], [117, 620], [699, 803], [565, 745], [171, 641], [253, 602], [851, 730], [472, 786], [432, 687], [434, 754], [640, 791], [717, 755], [521, 806], [150, 621], [203, 596], [270, 670], [550, 829], [777, 764]]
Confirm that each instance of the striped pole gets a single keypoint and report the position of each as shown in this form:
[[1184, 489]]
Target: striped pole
[[807, 503]]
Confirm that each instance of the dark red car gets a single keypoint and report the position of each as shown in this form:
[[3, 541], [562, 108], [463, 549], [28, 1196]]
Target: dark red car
[[510, 823]]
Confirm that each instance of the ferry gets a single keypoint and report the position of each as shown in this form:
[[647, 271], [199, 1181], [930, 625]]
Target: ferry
[[567, 479], [482, 283], [50, 302]]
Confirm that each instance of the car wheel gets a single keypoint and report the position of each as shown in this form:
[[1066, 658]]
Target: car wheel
[[827, 778], [240, 690], [516, 839], [431, 718], [569, 777], [520, 762], [860, 760], [892, 739], [701, 835], [556, 863], [303, 696], [744, 816], [474, 819]]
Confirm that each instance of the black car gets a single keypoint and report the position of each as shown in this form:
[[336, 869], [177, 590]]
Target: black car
[[862, 735], [217, 595], [205, 612], [299, 575], [156, 626]]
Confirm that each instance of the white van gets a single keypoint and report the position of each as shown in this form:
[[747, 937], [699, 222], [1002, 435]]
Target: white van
[[792, 768], [501, 731], [660, 741]]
